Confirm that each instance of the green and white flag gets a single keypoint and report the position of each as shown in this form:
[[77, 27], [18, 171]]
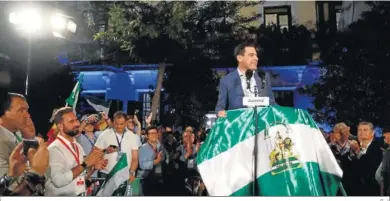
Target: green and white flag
[[73, 97], [293, 157], [98, 104], [116, 179]]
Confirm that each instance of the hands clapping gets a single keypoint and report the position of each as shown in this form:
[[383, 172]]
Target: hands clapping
[[39, 159]]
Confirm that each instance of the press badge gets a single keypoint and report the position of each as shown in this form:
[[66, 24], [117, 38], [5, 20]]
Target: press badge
[[158, 169], [190, 163], [80, 185], [119, 155]]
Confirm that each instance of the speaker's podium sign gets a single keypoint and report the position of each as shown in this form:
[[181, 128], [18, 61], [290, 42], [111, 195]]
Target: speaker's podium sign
[[293, 156]]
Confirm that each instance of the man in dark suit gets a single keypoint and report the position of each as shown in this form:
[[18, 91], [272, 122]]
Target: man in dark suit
[[368, 156], [235, 86]]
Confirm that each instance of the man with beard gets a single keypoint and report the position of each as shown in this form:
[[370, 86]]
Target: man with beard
[[67, 167]]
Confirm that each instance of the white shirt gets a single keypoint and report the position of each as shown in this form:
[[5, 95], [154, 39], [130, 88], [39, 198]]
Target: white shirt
[[61, 162], [251, 92], [139, 142], [128, 144], [364, 150]]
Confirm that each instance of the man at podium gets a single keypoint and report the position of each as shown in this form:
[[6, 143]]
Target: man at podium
[[246, 81]]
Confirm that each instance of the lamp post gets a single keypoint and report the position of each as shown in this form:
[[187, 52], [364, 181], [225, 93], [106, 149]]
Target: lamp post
[[29, 21]]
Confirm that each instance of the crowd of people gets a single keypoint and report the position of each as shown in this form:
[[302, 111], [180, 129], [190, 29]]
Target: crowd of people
[[77, 158], [365, 160], [74, 161]]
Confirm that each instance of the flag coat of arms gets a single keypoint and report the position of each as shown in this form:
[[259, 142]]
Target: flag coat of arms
[[293, 158]]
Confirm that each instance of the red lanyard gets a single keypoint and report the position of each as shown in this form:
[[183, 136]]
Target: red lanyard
[[76, 157]]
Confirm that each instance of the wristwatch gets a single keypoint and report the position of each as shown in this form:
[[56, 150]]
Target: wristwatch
[[34, 178], [6, 181], [84, 165], [132, 173]]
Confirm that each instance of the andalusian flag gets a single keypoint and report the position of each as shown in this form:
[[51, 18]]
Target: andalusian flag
[[293, 158], [73, 97], [116, 179]]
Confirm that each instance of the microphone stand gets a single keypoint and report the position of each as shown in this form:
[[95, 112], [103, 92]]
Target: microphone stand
[[256, 186]]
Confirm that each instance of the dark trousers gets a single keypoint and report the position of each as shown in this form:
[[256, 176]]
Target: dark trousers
[[152, 187]]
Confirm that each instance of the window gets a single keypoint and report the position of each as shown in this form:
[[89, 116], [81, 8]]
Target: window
[[328, 15], [280, 16], [337, 9]]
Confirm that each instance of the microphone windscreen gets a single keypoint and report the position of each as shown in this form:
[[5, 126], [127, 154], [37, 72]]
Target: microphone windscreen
[[248, 74]]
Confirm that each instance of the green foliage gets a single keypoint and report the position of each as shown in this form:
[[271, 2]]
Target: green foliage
[[285, 47], [355, 84], [193, 36]]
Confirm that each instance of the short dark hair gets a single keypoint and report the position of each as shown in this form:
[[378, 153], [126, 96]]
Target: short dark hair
[[150, 128], [8, 100], [59, 114], [386, 129], [240, 49], [120, 114]]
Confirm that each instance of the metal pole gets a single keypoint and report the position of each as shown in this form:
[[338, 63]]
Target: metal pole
[[256, 186], [28, 63]]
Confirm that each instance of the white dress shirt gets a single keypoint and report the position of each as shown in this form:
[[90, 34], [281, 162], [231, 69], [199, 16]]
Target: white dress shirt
[[127, 145], [61, 162], [247, 92]]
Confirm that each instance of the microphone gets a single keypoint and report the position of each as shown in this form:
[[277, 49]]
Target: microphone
[[248, 75]]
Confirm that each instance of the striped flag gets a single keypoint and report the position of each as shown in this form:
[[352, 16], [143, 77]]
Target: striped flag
[[116, 178], [293, 158], [73, 97]]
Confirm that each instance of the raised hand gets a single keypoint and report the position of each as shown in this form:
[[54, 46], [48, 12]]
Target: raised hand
[[101, 164], [39, 159], [17, 161], [94, 157]]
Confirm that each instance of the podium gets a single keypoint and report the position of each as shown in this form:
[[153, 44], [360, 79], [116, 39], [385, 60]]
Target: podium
[[291, 157]]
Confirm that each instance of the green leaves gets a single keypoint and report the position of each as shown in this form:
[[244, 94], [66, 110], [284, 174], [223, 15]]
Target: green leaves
[[193, 36], [355, 85]]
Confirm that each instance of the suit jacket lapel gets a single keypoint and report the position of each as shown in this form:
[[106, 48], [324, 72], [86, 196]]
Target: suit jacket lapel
[[9, 138], [237, 81]]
